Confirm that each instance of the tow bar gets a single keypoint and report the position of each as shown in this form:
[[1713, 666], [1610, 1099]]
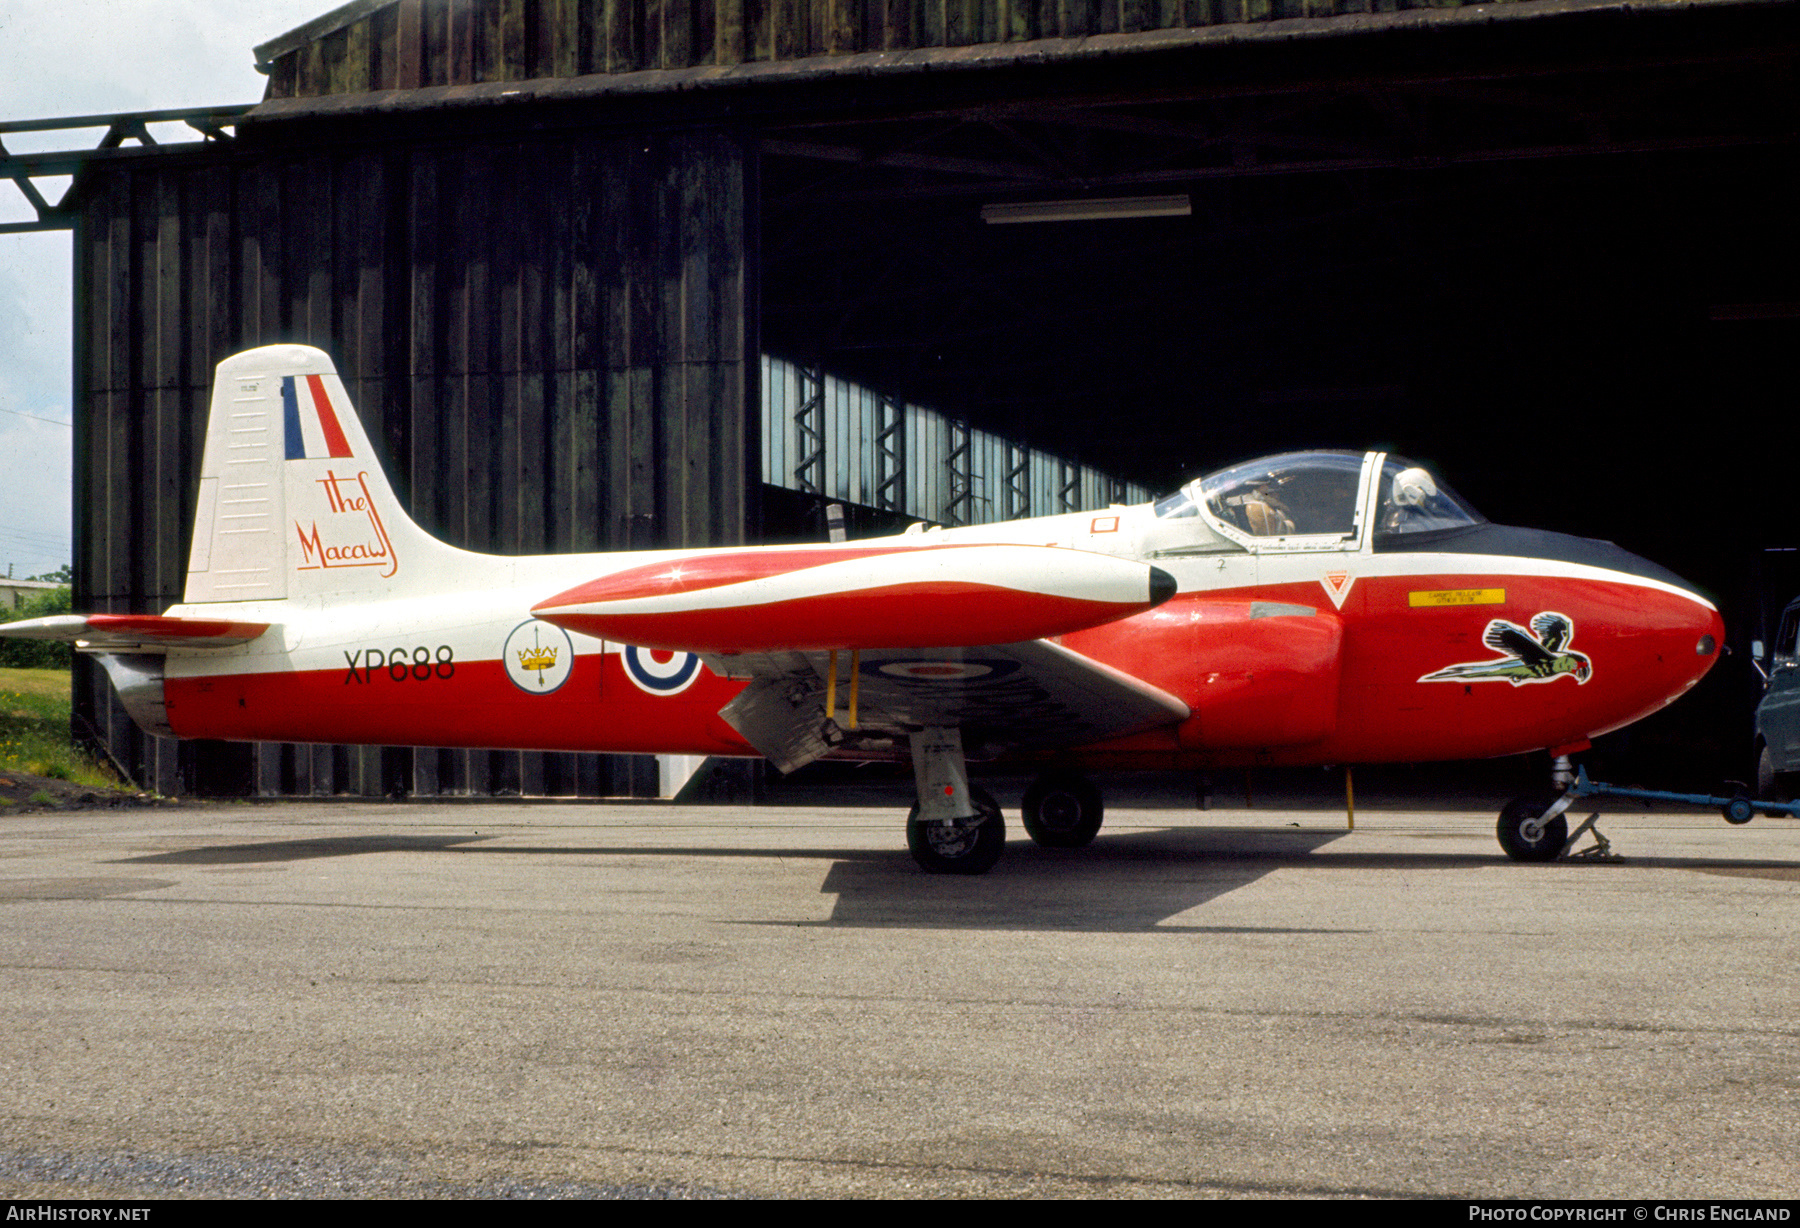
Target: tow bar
[[1738, 808]]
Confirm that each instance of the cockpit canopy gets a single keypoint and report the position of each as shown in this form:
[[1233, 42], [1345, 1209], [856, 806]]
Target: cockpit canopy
[[1319, 500]]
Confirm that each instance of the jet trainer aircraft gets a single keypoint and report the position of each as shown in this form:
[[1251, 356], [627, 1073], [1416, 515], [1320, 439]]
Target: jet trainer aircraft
[[1310, 608]]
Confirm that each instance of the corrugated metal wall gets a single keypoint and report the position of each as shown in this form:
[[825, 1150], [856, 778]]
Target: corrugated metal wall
[[553, 339], [409, 43], [849, 431]]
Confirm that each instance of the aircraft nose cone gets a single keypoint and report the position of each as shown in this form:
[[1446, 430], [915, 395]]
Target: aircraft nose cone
[[1162, 586], [1693, 634], [1673, 632], [1695, 618]]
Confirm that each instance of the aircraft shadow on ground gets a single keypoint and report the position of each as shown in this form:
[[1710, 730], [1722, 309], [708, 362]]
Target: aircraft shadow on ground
[[1125, 883], [1122, 883], [307, 849]]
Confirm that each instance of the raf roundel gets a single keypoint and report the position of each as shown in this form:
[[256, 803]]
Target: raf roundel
[[929, 671], [539, 657], [660, 677]]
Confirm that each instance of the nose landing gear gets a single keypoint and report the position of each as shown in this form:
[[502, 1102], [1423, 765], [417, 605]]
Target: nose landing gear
[[1533, 829], [1529, 832]]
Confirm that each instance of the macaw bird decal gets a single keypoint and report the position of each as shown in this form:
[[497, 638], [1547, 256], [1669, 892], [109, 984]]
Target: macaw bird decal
[[1539, 655]]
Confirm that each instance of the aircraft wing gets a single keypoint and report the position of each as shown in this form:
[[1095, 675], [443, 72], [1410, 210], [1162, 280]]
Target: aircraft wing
[[774, 617], [134, 632], [1021, 696]]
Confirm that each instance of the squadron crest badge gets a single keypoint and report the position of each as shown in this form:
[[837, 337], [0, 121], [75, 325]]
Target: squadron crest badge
[[1541, 654], [538, 657]]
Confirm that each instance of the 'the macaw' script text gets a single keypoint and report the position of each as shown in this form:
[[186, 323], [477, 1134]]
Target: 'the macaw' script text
[[361, 541]]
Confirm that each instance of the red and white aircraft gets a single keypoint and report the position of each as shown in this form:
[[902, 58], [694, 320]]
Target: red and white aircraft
[[1316, 607]]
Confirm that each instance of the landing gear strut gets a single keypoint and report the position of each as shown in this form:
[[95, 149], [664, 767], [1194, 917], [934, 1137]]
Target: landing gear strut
[[953, 829], [1062, 810]]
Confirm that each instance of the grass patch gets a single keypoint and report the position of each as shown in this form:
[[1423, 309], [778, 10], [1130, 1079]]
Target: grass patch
[[36, 684], [34, 729]]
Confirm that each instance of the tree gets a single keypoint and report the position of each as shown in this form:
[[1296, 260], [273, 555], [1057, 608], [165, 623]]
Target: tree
[[38, 654]]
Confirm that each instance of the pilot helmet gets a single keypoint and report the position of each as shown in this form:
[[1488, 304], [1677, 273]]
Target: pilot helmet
[[1412, 487]]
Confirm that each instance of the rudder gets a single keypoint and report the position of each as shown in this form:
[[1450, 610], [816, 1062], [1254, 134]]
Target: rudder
[[293, 501]]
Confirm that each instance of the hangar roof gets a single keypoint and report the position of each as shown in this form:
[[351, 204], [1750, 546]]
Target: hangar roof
[[384, 45]]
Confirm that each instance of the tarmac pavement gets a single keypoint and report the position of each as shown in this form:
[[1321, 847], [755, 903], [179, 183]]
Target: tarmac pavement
[[558, 1000]]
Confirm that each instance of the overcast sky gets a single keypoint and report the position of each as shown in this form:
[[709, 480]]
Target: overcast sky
[[85, 57]]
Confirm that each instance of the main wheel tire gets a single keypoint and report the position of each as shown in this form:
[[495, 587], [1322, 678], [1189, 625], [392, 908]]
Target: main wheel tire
[[968, 846], [1062, 810], [1524, 838], [1771, 786]]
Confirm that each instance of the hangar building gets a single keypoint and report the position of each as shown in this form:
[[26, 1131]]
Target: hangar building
[[1546, 245]]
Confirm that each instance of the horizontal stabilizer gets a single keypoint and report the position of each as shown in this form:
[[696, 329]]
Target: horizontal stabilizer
[[134, 632]]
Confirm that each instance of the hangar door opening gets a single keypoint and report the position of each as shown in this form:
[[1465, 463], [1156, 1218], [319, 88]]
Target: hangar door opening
[[1561, 271]]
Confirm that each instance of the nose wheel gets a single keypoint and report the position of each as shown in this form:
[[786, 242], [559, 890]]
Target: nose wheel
[[1527, 834]]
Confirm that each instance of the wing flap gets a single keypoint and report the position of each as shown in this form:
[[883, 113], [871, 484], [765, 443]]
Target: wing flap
[[134, 632]]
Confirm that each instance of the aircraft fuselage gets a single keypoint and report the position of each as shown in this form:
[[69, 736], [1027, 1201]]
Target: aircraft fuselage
[[1290, 658]]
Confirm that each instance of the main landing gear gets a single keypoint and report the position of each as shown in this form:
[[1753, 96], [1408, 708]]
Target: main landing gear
[[1062, 810], [957, 829], [953, 829], [958, 846]]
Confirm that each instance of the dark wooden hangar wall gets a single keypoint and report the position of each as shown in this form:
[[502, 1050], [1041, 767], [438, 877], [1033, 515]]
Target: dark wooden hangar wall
[[551, 338]]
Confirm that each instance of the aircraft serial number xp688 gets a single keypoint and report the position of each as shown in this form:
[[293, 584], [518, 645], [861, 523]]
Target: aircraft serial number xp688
[[1311, 608]]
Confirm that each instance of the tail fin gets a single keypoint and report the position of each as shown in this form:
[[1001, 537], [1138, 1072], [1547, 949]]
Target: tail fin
[[293, 501]]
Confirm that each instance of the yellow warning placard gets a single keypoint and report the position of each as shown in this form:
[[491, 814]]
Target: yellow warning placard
[[1458, 596]]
